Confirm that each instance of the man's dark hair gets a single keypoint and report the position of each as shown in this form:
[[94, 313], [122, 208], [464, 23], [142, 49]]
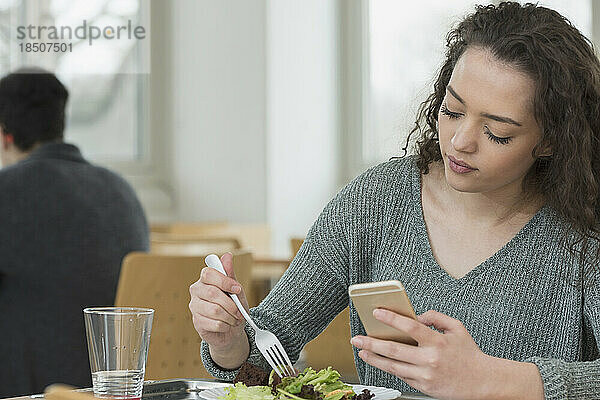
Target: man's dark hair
[[32, 107]]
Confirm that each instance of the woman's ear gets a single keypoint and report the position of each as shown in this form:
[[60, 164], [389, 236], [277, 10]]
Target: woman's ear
[[543, 150]]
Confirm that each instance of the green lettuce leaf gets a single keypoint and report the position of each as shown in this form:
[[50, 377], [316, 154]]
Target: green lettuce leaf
[[242, 392], [325, 381], [317, 385]]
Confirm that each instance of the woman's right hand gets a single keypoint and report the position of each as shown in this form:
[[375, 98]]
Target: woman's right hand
[[216, 317]]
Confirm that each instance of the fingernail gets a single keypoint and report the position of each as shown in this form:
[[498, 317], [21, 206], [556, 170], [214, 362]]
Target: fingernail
[[377, 313], [236, 289], [356, 342]]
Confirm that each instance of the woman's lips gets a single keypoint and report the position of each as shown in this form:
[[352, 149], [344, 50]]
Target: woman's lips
[[460, 167]]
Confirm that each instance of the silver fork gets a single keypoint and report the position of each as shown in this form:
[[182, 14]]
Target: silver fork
[[266, 342]]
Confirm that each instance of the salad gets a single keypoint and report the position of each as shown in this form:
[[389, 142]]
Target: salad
[[308, 385]]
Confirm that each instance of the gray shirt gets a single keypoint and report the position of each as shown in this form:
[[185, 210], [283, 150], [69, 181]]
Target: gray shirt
[[522, 303], [65, 226]]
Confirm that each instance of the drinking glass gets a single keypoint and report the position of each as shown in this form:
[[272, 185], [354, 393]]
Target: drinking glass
[[118, 340]]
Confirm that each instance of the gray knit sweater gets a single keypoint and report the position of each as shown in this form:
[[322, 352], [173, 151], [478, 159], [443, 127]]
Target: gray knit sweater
[[519, 304]]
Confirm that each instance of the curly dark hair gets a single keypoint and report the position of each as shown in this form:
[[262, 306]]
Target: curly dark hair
[[561, 61], [32, 106]]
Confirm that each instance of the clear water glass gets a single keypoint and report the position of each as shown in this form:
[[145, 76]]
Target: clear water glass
[[118, 340]]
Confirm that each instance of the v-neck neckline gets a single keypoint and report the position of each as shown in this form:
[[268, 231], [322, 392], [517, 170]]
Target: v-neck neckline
[[425, 243]]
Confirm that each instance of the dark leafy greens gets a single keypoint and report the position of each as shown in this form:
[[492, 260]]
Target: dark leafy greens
[[308, 385]]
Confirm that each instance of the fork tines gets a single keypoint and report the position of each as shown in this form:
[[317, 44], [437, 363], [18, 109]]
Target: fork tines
[[279, 361]]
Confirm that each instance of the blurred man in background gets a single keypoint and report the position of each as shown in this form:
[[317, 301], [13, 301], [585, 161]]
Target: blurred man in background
[[65, 226]]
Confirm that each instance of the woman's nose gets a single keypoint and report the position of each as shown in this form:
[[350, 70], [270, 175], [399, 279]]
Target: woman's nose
[[465, 137]]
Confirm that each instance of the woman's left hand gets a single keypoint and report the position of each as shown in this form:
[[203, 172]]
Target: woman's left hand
[[446, 365]]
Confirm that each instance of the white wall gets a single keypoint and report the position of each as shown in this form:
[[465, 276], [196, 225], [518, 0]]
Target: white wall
[[218, 106], [303, 149], [254, 102]]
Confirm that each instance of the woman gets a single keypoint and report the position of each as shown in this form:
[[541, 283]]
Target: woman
[[492, 228]]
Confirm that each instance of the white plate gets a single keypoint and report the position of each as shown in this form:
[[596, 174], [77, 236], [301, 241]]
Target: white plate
[[379, 392]]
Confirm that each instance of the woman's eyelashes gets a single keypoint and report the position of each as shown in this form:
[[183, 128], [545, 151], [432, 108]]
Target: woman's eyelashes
[[496, 139], [454, 115]]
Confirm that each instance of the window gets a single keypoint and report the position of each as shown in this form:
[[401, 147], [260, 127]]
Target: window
[[107, 79], [108, 113]]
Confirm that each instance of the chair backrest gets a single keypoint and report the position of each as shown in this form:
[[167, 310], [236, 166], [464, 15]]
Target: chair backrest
[[295, 244], [255, 237], [191, 245], [162, 282], [199, 228], [159, 228]]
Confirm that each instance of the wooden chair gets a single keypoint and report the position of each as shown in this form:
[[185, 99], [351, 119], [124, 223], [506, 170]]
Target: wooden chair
[[162, 282], [191, 245], [195, 228], [295, 244], [254, 237], [159, 228]]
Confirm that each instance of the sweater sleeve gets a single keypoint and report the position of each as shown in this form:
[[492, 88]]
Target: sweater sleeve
[[581, 379], [312, 291]]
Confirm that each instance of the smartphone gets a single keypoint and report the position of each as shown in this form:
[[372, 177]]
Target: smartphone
[[389, 295]]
